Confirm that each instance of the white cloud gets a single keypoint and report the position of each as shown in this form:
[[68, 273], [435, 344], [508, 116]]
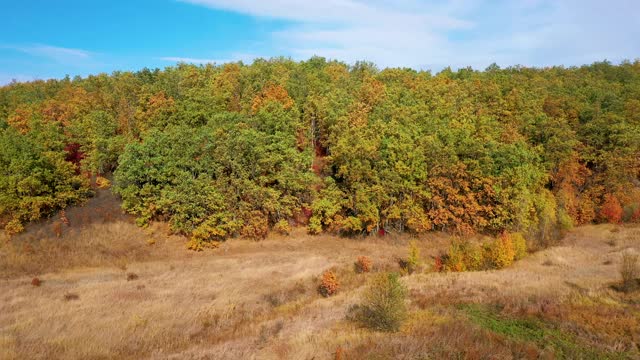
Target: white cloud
[[59, 54], [434, 34]]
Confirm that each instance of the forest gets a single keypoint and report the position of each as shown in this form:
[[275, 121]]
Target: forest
[[220, 151]]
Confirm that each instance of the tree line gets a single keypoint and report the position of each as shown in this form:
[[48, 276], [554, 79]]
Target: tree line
[[236, 149]]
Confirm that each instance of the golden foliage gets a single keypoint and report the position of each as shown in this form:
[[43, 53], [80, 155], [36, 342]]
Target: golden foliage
[[275, 93]]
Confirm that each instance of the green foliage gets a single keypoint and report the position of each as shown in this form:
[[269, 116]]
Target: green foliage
[[236, 149], [34, 181], [463, 256], [214, 181], [383, 307], [413, 260], [564, 345]]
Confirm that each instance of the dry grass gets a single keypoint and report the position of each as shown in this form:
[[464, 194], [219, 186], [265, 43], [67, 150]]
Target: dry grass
[[251, 299], [98, 234]]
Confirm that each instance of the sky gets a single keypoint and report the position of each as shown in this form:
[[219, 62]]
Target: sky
[[41, 39]]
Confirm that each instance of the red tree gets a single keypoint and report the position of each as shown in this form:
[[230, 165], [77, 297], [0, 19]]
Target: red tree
[[611, 210]]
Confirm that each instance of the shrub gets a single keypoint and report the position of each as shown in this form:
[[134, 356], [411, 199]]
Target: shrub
[[132, 276], [36, 282], [438, 264], [462, 256], [102, 182], [611, 210], [329, 284], [197, 244], [384, 307], [315, 226], [629, 270], [256, 226], [500, 253], [14, 227], [412, 262], [565, 222], [282, 227], [363, 264], [519, 245]]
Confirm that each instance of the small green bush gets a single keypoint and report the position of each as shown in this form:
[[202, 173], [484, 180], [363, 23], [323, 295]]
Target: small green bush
[[412, 262], [384, 307], [463, 256]]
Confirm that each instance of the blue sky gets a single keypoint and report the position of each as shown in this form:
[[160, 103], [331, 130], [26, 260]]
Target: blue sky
[[41, 39]]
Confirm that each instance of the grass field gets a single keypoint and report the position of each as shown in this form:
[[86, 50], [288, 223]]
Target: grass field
[[112, 290]]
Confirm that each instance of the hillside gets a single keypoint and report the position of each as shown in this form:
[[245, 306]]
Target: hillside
[[239, 150], [106, 292], [318, 210]]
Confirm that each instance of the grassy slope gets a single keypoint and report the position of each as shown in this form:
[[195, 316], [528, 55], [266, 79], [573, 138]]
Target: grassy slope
[[258, 299]]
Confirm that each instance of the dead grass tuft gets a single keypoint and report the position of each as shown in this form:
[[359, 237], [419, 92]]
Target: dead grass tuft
[[71, 296], [132, 276], [629, 271]]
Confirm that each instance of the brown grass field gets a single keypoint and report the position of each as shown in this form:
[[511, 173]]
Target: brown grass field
[[110, 290]]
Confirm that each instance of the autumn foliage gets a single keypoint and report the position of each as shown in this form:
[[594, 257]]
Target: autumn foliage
[[239, 150], [363, 264], [500, 252], [611, 209], [328, 284]]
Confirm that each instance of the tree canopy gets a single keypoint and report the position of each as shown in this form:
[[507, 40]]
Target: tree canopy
[[222, 150]]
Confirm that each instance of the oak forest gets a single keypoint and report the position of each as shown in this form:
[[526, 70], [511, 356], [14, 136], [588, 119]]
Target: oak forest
[[322, 210], [221, 151]]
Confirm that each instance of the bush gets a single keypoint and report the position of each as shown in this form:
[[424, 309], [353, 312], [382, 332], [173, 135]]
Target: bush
[[256, 226], [282, 227], [438, 264], [412, 262], [500, 253], [611, 210], [102, 182], [519, 245], [384, 306], [462, 256], [629, 270], [363, 264], [465, 256], [329, 284]]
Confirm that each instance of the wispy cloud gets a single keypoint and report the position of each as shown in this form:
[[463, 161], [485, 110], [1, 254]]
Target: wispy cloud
[[56, 53], [456, 32], [247, 58], [188, 60]]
